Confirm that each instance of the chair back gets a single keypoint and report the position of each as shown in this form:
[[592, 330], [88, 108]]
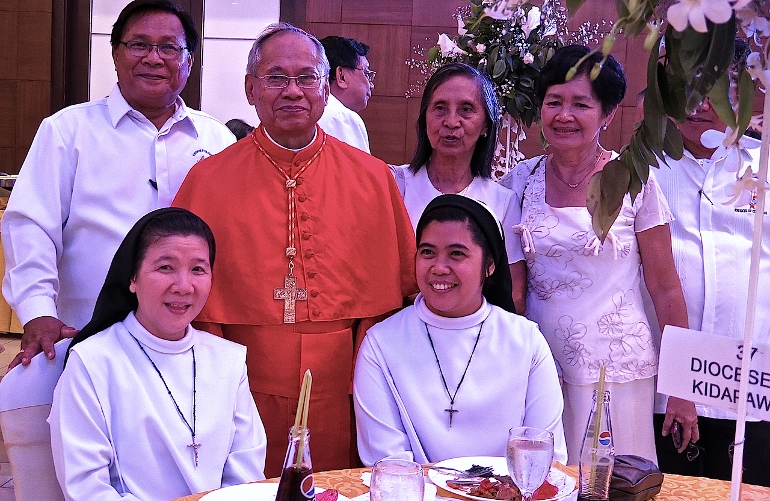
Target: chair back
[[26, 394]]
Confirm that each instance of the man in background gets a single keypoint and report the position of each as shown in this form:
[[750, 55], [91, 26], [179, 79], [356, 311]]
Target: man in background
[[351, 83], [95, 168], [711, 241]]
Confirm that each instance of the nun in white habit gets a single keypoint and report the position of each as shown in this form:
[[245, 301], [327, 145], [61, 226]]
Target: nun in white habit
[[149, 408], [450, 375]]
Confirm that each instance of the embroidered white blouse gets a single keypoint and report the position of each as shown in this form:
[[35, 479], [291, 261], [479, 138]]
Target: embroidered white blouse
[[585, 295]]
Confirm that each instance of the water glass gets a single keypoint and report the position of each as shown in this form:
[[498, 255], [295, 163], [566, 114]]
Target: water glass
[[529, 454], [397, 480]]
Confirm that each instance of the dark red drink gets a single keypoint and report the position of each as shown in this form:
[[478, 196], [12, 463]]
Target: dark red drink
[[296, 485]]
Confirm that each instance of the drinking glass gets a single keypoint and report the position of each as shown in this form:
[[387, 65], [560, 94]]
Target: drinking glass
[[529, 454], [397, 480]]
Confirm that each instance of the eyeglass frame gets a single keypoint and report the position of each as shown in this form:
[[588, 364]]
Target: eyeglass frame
[[157, 47], [368, 74], [320, 77]]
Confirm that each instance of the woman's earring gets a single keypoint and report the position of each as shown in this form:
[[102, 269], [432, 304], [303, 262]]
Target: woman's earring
[[604, 127]]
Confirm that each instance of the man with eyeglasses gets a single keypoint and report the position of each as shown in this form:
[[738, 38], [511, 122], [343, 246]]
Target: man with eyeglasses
[[711, 239], [95, 168], [351, 83], [313, 246]]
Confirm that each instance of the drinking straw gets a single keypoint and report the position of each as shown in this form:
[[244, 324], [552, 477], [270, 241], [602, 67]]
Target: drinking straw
[[598, 422], [302, 409]]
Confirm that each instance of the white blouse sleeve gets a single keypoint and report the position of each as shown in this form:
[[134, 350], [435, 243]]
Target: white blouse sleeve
[[651, 206], [379, 427], [82, 450], [544, 402], [246, 461]]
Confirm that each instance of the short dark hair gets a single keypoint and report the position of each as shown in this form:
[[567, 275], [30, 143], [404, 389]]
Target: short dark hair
[[343, 52], [172, 224], [483, 154], [138, 8], [239, 128], [609, 87]]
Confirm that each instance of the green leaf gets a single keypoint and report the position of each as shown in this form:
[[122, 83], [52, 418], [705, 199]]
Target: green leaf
[[434, 53], [717, 62], [672, 144], [654, 117], [746, 89], [720, 100], [574, 5], [604, 198], [499, 69]]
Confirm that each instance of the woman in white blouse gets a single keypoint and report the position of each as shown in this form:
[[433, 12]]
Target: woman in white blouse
[[586, 295], [450, 375]]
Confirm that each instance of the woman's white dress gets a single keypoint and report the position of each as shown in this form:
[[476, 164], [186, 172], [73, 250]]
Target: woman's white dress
[[116, 433]]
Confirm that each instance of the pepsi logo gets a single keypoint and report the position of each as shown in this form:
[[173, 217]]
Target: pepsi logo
[[307, 487], [605, 438]]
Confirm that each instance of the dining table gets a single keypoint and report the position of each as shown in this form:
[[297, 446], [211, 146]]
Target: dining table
[[675, 487]]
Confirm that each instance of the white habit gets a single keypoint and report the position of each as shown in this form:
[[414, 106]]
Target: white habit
[[400, 399], [418, 192], [116, 433], [84, 183], [344, 124]]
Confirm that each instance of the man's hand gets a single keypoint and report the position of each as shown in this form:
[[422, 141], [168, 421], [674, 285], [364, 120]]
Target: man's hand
[[684, 413], [40, 334]]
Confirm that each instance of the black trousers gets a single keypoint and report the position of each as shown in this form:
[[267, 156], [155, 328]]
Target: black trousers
[[714, 461]]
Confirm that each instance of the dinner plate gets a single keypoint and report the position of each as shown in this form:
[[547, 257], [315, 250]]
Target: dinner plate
[[567, 485], [251, 492]]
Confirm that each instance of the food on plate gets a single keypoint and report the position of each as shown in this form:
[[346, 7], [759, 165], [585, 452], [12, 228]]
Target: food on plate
[[501, 487]]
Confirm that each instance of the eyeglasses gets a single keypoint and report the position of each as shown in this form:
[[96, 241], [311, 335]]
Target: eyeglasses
[[166, 51], [310, 81], [369, 74]]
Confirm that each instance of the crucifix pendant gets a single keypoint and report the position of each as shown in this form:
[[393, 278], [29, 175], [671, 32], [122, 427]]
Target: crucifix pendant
[[290, 295], [195, 447], [451, 412]]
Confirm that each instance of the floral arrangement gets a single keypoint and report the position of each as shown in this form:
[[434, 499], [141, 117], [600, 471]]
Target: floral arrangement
[[510, 41]]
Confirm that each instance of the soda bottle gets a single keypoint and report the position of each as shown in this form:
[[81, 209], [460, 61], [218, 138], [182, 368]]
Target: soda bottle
[[597, 455], [297, 476]]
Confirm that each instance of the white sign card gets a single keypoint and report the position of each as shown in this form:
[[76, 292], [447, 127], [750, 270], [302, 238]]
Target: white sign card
[[706, 369]]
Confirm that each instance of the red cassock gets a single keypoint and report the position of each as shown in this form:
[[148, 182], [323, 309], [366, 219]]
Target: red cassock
[[354, 258]]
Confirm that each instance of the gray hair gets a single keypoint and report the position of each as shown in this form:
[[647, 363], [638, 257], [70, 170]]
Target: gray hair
[[255, 54]]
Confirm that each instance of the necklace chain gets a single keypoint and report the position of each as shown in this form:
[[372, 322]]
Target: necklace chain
[[194, 445], [461, 192], [588, 171], [451, 410], [291, 185]]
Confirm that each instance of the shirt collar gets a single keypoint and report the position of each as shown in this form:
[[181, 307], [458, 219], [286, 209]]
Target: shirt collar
[[451, 323], [118, 108], [155, 343], [285, 155]]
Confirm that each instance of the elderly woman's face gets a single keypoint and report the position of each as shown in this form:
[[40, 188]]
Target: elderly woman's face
[[172, 284], [572, 114], [455, 117]]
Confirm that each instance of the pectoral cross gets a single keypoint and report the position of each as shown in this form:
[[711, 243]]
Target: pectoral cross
[[290, 295], [195, 447], [451, 412]]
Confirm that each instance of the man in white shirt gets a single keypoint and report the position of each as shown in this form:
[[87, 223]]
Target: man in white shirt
[[351, 83], [712, 242], [95, 168]]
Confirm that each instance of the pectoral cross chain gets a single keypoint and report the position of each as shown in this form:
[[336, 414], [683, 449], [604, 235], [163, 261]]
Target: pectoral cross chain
[[290, 294], [195, 447]]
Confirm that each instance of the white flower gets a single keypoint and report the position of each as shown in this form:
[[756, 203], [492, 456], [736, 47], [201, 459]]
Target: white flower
[[741, 191], [736, 152], [501, 9], [448, 46], [528, 58], [461, 27], [695, 12], [532, 21], [753, 24], [754, 67], [480, 48]]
